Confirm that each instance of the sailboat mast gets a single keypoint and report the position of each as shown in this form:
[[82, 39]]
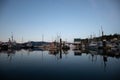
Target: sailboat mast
[[42, 37], [102, 31], [12, 36]]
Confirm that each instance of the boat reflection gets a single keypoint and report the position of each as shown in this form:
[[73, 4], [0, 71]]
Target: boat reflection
[[58, 53], [100, 52], [77, 53], [107, 53], [92, 54]]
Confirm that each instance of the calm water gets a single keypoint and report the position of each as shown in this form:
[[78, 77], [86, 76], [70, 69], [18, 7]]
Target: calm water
[[29, 64]]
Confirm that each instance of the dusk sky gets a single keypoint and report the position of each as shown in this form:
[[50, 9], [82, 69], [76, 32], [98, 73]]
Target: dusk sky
[[69, 19]]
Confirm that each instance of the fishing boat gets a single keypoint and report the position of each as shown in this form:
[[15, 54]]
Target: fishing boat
[[93, 46]]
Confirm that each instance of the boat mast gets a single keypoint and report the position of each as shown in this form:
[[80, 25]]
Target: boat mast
[[22, 40], [12, 36], [42, 37], [102, 31]]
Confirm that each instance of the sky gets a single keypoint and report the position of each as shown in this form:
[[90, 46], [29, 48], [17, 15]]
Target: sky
[[29, 20]]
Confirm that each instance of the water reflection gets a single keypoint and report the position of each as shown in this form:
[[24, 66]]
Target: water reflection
[[102, 53], [58, 53], [54, 63], [77, 52], [92, 54]]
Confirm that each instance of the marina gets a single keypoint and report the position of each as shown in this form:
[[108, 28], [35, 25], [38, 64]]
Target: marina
[[82, 59], [59, 39]]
